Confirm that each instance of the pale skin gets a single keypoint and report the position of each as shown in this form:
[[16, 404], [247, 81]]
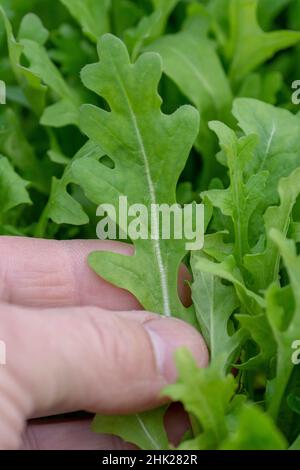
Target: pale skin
[[75, 342]]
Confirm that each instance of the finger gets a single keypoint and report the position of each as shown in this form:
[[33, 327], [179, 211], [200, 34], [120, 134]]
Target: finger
[[93, 360], [50, 273]]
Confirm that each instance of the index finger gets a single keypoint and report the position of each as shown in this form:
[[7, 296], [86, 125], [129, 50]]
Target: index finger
[[51, 273]]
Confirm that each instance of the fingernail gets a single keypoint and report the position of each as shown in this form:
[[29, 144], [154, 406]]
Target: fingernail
[[168, 335]]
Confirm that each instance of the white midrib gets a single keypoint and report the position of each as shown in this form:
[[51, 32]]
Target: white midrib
[[147, 433], [155, 230], [268, 146]]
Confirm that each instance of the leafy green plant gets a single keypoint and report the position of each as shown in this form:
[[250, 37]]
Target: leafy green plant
[[164, 102]]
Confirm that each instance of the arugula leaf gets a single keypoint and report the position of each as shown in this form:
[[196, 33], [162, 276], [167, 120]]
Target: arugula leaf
[[62, 207], [276, 129], [32, 28], [229, 271], [285, 327], [14, 145], [268, 10], [296, 444], [294, 403], [31, 84], [13, 190], [294, 231], [136, 131], [151, 141], [260, 331], [65, 111], [125, 15], [225, 422], [150, 27], [146, 430], [193, 64], [212, 54], [265, 266], [242, 197], [63, 55], [249, 46], [205, 393], [251, 429], [215, 246], [214, 304], [92, 15], [41, 72]]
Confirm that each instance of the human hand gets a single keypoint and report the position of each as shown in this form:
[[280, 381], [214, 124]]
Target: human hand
[[75, 342]]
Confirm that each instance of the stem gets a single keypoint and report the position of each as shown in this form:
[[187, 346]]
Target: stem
[[42, 224]]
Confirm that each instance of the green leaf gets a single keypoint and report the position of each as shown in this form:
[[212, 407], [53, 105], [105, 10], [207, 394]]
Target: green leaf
[[229, 271], [195, 67], [294, 403], [264, 266], [65, 111], [225, 422], [296, 444], [31, 84], [143, 144], [57, 157], [264, 86], [185, 193], [249, 46], [14, 145], [251, 429], [32, 28], [41, 72], [13, 190], [92, 15], [214, 304], [146, 430], [125, 15], [294, 231], [62, 207], [205, 393], [260, 331], [241, 199], [277, 131], [150, 27], [269, 9], [61, 114], [193, 64]]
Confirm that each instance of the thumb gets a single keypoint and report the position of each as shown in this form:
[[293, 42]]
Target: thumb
[[90, 359]]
